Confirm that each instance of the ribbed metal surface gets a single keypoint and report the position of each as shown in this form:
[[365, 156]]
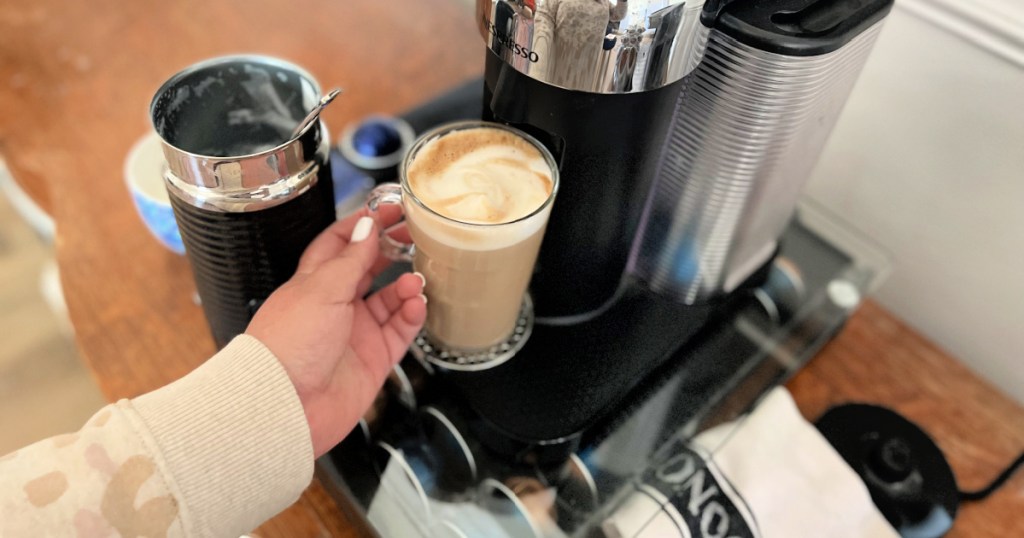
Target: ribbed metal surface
[[238, 259], [747, 130]]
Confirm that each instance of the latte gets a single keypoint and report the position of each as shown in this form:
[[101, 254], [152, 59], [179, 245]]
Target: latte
[[482, 201]]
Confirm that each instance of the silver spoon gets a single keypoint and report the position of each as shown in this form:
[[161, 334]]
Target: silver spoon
[[315, 113]]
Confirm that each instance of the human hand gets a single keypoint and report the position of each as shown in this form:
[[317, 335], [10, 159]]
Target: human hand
[[336, 347]]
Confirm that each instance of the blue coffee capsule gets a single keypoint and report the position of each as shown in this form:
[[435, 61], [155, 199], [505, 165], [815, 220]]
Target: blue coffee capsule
[[375, 145]]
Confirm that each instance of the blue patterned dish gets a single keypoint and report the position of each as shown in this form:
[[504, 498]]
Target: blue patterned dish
[[143, 172]]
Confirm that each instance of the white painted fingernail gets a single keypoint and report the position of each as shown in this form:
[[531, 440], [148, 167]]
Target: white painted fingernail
[[424, 297], [362, 229], [423, 279]]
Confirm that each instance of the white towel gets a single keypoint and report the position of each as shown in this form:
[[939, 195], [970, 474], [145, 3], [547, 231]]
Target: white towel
[[770, 474]]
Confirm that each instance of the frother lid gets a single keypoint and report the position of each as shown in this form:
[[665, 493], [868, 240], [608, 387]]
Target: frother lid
[[794, 27]]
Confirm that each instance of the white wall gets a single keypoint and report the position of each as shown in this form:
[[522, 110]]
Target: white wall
[[928, 159]]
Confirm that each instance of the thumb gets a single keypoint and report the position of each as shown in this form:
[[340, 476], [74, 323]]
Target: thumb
[[340, 276]]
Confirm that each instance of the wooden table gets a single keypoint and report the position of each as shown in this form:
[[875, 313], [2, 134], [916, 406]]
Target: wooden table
[[75, 83]]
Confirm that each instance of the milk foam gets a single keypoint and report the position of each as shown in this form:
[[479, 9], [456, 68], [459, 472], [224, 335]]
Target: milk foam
[[480, 176]]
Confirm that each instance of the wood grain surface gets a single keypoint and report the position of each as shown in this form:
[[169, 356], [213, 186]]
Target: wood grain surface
[[76, 79]]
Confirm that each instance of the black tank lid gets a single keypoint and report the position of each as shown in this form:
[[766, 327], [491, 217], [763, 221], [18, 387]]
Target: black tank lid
[[794, 27]]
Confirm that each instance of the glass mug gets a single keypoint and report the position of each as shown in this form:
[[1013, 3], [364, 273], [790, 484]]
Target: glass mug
[[476, 273]]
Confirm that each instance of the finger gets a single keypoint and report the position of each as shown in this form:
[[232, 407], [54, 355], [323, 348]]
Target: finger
[[382, 263], [387, 301], [338, 279], [397, 232], [334, 239], [403, 326], [329, 243]]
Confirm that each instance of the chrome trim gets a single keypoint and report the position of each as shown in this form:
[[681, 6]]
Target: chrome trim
[[600, 46], [580, 470], [425, 349], [250, 182], [234, 186]]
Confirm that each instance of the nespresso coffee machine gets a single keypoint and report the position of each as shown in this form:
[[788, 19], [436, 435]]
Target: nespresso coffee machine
[[684, 133]]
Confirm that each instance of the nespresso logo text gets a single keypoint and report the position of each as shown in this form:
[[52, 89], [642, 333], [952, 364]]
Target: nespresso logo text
[[509, 42], [700, 496]]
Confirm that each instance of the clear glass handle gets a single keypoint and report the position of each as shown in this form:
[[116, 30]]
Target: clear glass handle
[[393, 249]]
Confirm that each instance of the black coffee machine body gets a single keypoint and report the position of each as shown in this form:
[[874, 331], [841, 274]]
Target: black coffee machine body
[[597, 83], [684, 133]]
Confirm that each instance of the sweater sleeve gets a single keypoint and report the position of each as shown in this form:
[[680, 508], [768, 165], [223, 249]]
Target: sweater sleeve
[[215, 453]]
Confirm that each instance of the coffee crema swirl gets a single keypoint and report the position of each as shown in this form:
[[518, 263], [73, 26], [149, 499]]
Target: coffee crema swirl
[[480, 176]]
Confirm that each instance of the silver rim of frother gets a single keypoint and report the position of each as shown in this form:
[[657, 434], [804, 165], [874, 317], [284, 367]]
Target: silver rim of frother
[[250, 181], [423, 348]]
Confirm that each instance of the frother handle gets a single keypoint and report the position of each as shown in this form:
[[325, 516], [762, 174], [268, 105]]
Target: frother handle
[[393, 249]]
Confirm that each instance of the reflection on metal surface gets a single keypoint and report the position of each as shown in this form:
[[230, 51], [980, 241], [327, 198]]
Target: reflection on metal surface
[[399, 484], [453, 462], [394, 400], [575, 493], [782, 291], [582, 482], [360, 435], [602, 46], [745, 134], [402, 388], [509, 511]]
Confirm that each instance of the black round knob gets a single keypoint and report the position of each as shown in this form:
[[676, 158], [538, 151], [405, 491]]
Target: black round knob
[[892, 460], [904, 470]]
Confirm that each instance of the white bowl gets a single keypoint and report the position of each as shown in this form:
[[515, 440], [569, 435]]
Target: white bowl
[[143, 172]]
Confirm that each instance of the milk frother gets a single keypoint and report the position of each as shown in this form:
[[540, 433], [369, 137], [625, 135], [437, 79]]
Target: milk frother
[[247, 194]]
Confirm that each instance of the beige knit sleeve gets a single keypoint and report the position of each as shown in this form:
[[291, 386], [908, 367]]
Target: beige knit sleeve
[[213, 454]]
